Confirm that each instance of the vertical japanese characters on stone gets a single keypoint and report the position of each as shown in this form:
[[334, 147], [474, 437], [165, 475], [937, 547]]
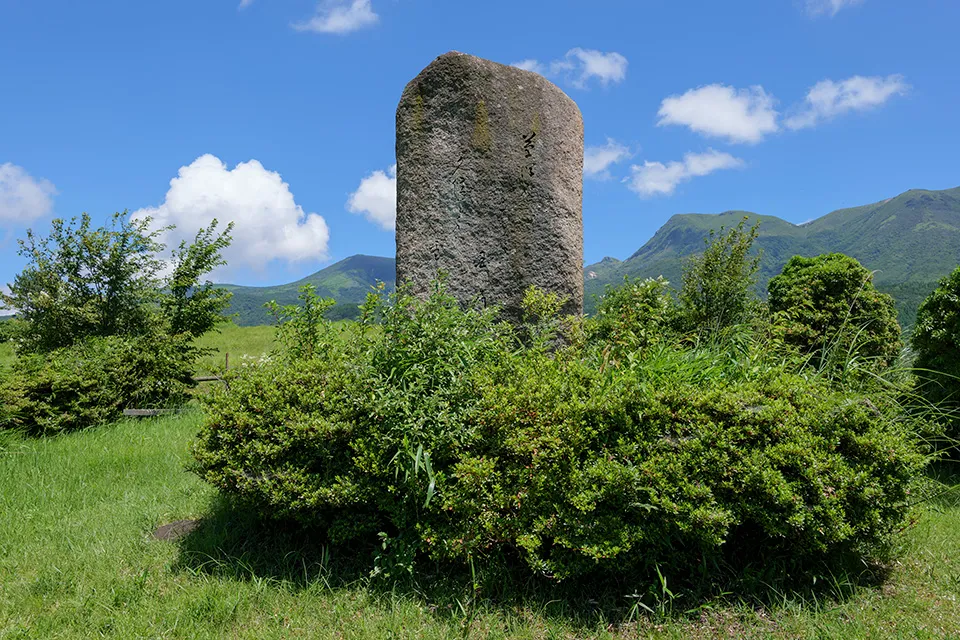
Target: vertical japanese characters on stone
[[489, 184]]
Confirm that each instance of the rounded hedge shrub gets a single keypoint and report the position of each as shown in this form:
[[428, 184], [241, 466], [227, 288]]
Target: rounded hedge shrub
[[92, 381], [435, 431], [936, 341], [828, 308]]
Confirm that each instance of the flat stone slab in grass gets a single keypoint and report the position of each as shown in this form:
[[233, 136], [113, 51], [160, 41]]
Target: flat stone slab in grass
[[489, 184], [175, 530]]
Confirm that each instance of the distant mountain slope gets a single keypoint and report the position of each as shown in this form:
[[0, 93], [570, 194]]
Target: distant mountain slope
[[347, 281], [911, 241]]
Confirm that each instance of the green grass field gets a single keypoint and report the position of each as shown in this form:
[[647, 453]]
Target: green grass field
[[77, 560], [238, 342]]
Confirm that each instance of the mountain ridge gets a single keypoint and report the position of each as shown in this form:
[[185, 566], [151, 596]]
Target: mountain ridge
[[910, 240]]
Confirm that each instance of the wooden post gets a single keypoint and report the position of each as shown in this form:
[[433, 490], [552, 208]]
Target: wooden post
[[226, 358]]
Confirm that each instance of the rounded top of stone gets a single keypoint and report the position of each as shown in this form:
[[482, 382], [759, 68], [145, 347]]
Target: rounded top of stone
[[459, 67]]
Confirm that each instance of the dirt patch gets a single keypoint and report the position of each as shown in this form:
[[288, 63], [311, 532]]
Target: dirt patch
[[175, 530]]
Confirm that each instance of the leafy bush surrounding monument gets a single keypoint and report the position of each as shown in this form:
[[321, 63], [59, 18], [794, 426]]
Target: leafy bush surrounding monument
[[436, 431]]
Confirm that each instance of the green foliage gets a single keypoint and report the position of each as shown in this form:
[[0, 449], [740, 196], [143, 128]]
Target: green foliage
[[346, 414], [633, 316], [301, 328], [627, 470], [189, 306], [936, 341], [100, 328], [92, 381], [81, 281], [433, 430], [828, 308], [716, 292], [9, 329]]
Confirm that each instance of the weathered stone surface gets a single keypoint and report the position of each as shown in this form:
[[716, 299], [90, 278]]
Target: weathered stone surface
[[489, 184]]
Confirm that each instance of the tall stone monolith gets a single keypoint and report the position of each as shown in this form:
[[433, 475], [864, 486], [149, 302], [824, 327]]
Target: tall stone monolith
[[489, 184]]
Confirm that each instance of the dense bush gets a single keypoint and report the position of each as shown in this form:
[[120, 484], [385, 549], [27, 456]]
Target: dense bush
[[828, 308], [633, 316], [436, 431], [93, 381], [936, 341], [105, 323]]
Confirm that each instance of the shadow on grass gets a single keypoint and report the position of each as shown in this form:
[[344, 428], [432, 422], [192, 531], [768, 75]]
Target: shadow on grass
[[232, 542], [945, 476]]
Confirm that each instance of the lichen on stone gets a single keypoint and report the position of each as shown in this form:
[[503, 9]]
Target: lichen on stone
[[481, 128]]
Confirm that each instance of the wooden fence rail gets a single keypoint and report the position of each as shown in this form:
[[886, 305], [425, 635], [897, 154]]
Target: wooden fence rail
[[150, 413]]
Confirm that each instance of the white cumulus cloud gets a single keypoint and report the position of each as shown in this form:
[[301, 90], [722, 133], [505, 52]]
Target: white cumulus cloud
[[530, 65], [657, 178], [340, 16], [376, 198], [598, 159], [22, 197], [269, 224], [580, 66], [716, 110], [828, 99], [829, 7]]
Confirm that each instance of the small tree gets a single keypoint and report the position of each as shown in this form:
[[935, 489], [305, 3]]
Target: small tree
[[829, 309], [102, 325], [83, 282], [716, 284], [189, 306], [936, 340]]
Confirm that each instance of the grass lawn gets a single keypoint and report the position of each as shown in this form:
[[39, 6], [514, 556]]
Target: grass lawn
[[239, 342], [77, 560]]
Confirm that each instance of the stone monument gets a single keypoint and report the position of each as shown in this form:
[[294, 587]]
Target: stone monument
[[489, 184]]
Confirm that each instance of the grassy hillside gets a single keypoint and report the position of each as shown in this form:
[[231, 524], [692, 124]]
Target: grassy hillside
[[911, 241], [347, 281]]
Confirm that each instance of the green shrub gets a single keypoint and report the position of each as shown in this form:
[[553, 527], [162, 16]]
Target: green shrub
[[633, 316], [8, 329], [936, 341], [92, 381], [100, 326], [828, 308], [345, 413], [82, 281], [624, 470], [716, 292], [438, 433]]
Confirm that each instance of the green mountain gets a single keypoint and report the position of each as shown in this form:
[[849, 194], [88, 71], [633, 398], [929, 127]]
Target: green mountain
[[347, 281], [911, 241]]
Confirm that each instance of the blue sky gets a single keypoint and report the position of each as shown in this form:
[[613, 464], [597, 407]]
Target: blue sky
[[280, 113]]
